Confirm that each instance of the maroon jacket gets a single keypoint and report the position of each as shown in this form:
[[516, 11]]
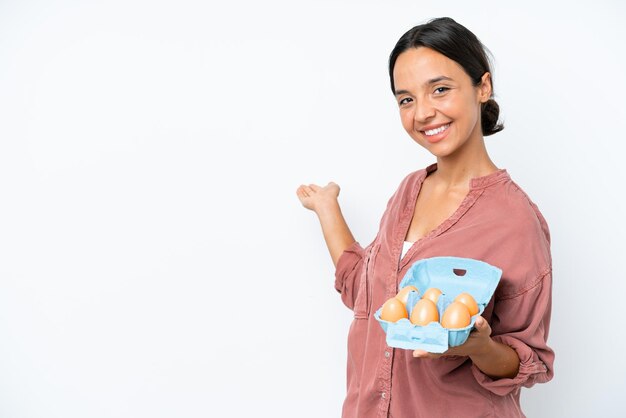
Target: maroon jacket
[[496, 223]]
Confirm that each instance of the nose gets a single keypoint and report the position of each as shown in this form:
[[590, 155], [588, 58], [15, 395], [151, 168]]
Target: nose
[[424, 110]]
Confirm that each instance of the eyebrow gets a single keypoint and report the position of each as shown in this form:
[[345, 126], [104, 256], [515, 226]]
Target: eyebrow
[[437, 80], [428, 83]]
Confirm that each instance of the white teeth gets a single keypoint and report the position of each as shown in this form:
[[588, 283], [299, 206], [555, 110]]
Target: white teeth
[[436, 131]]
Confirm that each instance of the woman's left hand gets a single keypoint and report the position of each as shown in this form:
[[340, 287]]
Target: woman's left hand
[[477, 342]]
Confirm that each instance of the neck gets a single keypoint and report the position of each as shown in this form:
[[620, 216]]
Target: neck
[[465, 164]]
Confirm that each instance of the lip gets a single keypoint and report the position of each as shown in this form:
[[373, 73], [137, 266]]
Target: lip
[[438, 137]]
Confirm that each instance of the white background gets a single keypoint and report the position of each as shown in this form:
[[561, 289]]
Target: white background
[[154, 258]]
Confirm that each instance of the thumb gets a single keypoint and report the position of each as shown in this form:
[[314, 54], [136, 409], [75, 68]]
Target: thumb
[[332, 184], [481, 324]]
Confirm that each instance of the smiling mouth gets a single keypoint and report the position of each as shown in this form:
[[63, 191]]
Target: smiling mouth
[[436, 131]]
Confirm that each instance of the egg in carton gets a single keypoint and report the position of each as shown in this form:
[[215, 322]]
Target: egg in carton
[[451, 275]]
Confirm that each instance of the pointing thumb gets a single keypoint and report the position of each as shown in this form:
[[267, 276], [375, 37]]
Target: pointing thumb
[[480, 323]]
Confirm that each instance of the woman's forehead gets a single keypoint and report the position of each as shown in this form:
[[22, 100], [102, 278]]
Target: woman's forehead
[[422, 65]]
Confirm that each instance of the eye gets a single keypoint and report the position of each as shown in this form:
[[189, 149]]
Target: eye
[[404, 101], [441, 90]]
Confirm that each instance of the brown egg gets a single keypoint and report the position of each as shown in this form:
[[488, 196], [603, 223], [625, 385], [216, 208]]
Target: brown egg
[[456, 316], [393, 310], [403, 294], [433, 294], [467, 300], [424, 312]]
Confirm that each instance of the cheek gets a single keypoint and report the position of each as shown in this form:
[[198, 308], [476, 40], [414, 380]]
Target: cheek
[[452, 108], [473, 114], [461, 110], [407, 120]]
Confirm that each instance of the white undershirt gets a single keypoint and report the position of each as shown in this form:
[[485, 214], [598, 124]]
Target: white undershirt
[[406, 247]]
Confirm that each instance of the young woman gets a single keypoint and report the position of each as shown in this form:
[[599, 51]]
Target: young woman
[[464, 206]]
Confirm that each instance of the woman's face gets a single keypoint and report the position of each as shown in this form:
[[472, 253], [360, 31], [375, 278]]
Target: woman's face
[[439, 106]]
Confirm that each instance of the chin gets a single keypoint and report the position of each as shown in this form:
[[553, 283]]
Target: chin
[[439, 150]]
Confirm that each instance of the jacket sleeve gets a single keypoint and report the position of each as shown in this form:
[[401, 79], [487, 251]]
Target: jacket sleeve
[[349, 268], [354, 259], [522, 321]]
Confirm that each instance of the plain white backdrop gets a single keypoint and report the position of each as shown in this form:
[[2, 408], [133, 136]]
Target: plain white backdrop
[[154, 258]]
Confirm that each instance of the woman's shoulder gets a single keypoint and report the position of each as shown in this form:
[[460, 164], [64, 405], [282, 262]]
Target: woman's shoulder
[[517, 205], [506, 210], [515, 221]]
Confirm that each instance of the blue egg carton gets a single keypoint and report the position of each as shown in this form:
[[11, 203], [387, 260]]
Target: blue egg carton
[[451, 275]]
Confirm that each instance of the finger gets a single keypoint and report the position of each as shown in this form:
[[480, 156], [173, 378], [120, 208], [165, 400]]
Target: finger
[[314, 187], [479, 322], [481, 325], [425, 354], [419, 353], [333, 184], [308, 190], [301, 192]]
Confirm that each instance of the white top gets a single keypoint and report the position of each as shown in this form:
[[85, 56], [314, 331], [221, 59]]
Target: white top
[[406, 247]]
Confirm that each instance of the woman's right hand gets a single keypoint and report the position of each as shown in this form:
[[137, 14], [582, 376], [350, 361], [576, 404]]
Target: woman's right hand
[[315, 198], [323, 201]]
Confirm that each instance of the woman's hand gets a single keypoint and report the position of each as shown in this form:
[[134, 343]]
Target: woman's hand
[[477, 343], [494, 359], [316, 198], [323, 201]]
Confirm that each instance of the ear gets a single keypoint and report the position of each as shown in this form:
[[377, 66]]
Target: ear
[[484, 88]]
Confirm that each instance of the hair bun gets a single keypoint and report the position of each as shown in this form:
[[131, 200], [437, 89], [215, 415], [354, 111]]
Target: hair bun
[[489, 118]]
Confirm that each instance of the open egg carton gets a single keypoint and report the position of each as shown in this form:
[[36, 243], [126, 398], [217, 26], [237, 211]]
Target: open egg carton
[[451, 275]]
